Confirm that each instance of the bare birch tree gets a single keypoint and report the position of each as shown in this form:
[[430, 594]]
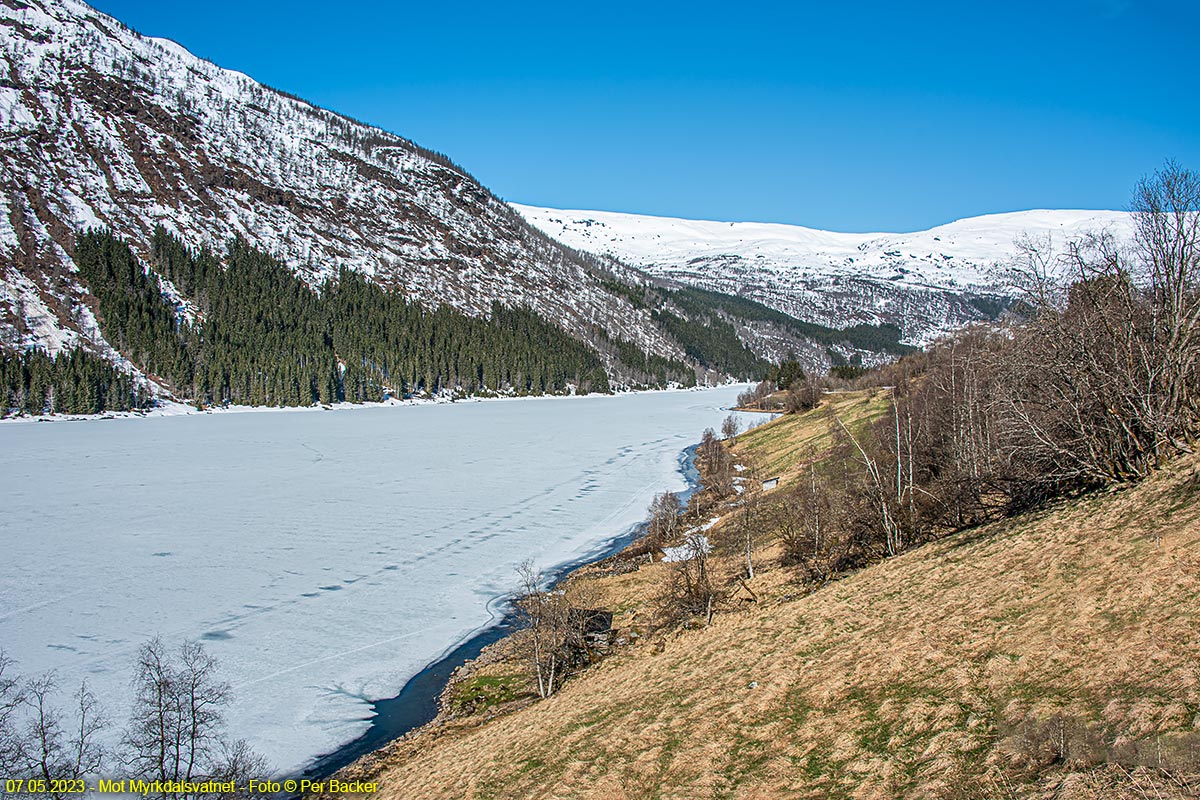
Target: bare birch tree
[[54, 748], [879, 494], [176, 731], [548, 629], [730, 428], [1166, 212], [663, 525], [750, 518]]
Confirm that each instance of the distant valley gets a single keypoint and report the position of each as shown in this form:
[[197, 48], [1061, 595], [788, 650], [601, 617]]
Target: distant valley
[[928, 283]]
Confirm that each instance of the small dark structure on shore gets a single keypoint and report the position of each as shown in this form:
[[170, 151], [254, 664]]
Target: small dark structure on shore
[[595, 627]]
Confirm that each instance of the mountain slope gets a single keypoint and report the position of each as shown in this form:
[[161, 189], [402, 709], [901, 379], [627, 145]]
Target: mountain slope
[[100, 126], [927, 282], [1050, 655]]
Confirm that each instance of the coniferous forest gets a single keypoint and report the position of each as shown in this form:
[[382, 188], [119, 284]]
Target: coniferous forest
[[74, 382], [264, 337], [258, 335], [243, 329]]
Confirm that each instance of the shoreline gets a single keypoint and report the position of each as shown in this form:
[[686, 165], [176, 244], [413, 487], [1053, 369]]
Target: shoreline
[[173, 408], [417, 703]]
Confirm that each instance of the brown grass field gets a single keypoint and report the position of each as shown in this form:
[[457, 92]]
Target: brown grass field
[[1055, 655]]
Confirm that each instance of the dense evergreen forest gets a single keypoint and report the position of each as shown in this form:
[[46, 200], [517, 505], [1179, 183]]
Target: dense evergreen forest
[[261, 336], [70, 383], [702, 332], [712, 342], [264, 337], [646, 369]]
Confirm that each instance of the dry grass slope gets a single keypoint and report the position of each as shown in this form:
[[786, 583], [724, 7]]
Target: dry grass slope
[[1054, 655], [784, 446]]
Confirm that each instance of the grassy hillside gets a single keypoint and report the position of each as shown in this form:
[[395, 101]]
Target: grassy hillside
[[1051, 655]]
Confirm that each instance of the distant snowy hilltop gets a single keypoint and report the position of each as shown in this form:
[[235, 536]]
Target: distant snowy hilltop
[[102, 127], [928, 282]]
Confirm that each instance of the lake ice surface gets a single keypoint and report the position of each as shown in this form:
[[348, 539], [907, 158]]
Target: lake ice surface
[[323, 557]]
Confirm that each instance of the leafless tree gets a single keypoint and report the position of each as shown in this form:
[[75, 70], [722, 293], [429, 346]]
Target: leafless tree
[[176, 731], [664, 520], [754, 398], [237, 764], [750, 517], [1102, 384], [549, 634], [1166, 212], [690, 590], [880, 496], [53, 749], [790, 519], [730, 428], [1094, 380], [716, 465], [809, 527]]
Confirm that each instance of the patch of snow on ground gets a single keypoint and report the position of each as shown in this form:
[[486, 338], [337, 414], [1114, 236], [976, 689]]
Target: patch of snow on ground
[[687, 550]]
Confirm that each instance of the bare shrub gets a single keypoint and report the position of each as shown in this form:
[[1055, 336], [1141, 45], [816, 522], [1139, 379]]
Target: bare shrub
[[690, 589]]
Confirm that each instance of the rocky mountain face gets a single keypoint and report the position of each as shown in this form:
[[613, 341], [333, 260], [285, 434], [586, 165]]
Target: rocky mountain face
[[100, 126], [928, 282]]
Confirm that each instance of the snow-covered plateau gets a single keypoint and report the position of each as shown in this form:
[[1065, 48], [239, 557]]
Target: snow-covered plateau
[[322, 558], [922, 281]]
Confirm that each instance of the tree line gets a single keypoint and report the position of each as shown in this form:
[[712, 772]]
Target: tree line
[[703, 322], [261, 336], [74, 382], [881, 338]]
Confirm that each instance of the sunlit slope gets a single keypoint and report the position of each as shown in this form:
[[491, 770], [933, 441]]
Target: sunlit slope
[[784, 447], [927, 282], [1013, 660]]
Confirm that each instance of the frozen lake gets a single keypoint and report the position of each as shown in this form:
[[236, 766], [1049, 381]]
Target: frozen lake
[[323, 557]]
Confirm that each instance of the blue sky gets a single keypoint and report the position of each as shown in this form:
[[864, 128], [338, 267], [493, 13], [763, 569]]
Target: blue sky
[[843, 115]]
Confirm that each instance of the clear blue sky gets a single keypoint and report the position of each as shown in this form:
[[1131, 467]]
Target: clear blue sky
[[855, 116]]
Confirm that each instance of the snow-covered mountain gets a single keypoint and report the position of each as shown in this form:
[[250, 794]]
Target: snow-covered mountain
[[100, 126], [924, 281]]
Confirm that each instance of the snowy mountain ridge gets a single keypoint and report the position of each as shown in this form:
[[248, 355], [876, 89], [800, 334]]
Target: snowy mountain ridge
[[923, 281], [100, 126]]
